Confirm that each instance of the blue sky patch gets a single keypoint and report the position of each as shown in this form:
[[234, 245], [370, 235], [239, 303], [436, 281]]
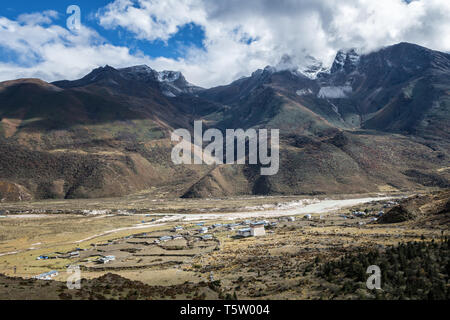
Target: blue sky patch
[[189, 35]]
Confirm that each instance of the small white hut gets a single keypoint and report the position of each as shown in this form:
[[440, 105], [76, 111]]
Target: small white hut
[[257, 230]]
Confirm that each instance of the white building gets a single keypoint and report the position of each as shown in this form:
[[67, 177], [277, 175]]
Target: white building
[[207, 237], [203, 230], [257, 230], [106, 259], [74, 254], [177, 229], [47, 276]]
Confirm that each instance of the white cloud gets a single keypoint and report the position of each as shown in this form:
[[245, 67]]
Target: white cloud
[[151, 20], [296, 28], [51, 52], [45, 17], [240, 36]]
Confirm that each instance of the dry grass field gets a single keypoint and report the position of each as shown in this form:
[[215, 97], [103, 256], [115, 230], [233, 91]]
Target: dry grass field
[[279, 265]]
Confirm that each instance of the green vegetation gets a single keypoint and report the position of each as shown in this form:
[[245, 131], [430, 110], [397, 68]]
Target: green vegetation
[[415, 270]]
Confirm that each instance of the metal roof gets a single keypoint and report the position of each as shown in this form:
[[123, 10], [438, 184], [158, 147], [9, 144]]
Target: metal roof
[[46, 274]]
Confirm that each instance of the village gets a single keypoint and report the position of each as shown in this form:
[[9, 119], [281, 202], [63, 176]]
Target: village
[[267, 251], [166, 247], [177, 245]]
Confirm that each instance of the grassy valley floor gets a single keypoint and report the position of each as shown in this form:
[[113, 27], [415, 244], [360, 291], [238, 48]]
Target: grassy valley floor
[[296, 259]]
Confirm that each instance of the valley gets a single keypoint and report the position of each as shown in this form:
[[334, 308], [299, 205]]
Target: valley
[[87, 180], [372, 122], [168, 257]]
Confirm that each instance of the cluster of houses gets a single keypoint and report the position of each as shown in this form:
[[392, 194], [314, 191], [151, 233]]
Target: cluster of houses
[[243, 229], [246, 228], [73, 254], [362, 214], [232, 226], [292, 219], [390, 204], [55, 255], [359, 214], [257, 229]]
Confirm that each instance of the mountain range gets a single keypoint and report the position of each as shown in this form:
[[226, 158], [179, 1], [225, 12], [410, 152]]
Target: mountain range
[[371, 122]]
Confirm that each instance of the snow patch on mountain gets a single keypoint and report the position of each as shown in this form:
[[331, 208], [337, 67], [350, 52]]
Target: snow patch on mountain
[[168, 94], [144, 70], [304, 92], [168, 76], [334, 92]]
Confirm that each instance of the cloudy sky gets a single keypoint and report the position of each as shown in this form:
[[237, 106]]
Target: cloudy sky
[[212, 42]]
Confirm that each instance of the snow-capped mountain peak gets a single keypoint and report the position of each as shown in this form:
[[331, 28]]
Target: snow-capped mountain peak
[[172, 83], [141, 72], [345, 60], [312, 67], [139, 69]]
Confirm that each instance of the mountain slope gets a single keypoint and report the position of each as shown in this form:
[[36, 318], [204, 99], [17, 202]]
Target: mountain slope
[[370, 123], [87, 138], [402, 88]]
